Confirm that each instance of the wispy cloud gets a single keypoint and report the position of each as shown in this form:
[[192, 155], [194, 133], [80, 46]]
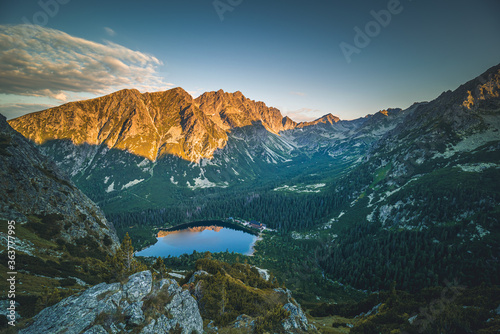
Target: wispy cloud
[[109, 31], [38, 61], [195, 93], [12, 110], [298, 93], [303, 114]]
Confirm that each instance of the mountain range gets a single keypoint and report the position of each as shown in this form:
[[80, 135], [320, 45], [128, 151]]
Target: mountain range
[[168, 140], [153, 125]]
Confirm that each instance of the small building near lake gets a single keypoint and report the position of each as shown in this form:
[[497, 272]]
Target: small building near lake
[[257, 225]]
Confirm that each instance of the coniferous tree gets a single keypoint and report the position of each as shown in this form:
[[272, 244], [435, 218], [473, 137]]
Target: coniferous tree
[[123, 263], [160, 266]]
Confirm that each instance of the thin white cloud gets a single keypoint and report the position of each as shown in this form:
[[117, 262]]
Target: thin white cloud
[[303, 114], [298, 93], [109, 31], [195, 93], [38, 61]]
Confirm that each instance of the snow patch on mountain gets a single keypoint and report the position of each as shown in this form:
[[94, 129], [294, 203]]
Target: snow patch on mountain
[[143, 163], [477, 167], [132, 183], [312, 188], [206, 162], [111, 187], [201, 183]]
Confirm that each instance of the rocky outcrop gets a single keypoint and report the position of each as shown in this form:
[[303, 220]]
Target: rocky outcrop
[[297, 320], [264, 273], [140, 305], [196, 274]]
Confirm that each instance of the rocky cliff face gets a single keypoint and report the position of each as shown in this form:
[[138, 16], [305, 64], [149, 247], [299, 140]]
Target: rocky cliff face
[[233, 110], [38, 195], [455, 123], [140, 305], [148, 125]]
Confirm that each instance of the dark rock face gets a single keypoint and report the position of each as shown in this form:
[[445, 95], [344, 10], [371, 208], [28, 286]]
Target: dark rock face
[[111, 308], [32, 186]]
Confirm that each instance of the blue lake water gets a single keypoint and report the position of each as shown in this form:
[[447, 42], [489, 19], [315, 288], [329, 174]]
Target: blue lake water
[[212, 238]]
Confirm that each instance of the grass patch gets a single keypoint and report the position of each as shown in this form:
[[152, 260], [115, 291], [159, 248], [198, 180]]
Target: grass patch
[[380, 174], [46, 226], [154, 305], [332, 324]]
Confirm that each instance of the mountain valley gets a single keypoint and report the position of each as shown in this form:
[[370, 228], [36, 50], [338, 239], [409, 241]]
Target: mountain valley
[[380, 210]]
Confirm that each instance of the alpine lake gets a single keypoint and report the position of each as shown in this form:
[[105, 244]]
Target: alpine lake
[[212, 236]]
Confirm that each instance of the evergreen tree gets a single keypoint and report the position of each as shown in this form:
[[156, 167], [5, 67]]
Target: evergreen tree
[[123, 263], [159, 265]]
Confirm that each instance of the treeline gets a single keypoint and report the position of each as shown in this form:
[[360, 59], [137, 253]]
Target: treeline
[[285, 212], [369, 257]]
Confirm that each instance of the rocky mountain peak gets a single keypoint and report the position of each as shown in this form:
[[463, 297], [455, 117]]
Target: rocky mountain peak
[[234, 110], [326, 119], [329, 118], [288, 123], [483, 88], [148, 125]]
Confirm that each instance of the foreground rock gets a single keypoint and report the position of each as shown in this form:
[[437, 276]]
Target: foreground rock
[[297, 320], [140, 305]]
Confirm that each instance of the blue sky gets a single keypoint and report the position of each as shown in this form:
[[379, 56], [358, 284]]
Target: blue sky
[[285, 53]]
